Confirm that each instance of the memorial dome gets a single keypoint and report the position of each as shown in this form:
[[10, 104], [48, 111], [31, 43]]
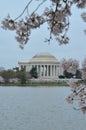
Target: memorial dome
[[43, 57]]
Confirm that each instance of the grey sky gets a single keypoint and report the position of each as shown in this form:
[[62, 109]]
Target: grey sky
[[10, 53]]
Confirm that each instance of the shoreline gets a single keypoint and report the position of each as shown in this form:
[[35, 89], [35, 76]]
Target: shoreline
[[41, 82], [35, 84]]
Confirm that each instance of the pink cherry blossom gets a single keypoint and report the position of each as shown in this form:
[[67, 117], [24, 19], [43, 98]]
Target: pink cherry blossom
[[70, 65]]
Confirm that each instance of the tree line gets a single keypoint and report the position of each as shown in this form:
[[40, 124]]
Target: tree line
[[15, 73]]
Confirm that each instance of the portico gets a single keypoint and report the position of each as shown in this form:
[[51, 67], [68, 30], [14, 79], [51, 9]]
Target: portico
[[47, 70]]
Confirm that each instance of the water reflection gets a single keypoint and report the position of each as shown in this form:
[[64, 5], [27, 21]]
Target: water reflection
[[38, 108]]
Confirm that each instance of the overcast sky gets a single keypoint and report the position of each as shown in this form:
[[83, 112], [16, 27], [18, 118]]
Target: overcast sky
[[10, 53]]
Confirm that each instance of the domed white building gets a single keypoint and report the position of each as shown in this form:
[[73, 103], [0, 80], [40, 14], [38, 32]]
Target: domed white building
[[47, 65]]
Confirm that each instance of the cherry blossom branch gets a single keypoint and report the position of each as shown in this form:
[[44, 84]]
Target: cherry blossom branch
[[58, 20]]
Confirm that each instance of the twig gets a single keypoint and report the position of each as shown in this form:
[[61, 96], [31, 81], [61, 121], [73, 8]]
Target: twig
[[38, 6], [24, 10]]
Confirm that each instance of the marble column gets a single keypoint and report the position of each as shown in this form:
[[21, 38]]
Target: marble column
[[54, 70], [50, 70], [40, 70]]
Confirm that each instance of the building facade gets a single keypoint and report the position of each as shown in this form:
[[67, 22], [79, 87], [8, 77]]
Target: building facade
[[47, 66]]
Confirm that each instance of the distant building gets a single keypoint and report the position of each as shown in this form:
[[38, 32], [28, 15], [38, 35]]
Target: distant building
[[47, 66], [2, 79]]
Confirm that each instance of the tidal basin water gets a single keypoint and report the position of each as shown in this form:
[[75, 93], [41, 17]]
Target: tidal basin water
[[38, 108]]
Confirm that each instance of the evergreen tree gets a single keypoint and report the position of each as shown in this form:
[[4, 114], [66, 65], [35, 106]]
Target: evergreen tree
[[34, 73]]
